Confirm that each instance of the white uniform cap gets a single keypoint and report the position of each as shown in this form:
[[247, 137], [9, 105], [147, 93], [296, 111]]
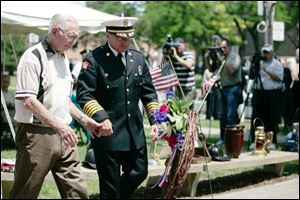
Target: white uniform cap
[[121, 27]]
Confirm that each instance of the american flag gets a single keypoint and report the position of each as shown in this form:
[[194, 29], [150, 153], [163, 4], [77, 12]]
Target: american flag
[[206, 86], [163, 77]]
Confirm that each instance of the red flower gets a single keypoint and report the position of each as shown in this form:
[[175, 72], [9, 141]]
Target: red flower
[[163, 108]]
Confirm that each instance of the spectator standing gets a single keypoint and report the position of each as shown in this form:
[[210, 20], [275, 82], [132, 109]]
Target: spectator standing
[[10, 104], [231, 87], [267, 94], [184, 64], [295, 89]]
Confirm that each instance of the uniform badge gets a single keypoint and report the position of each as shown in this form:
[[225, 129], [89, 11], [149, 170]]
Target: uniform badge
[[85, 64], [140, 70]]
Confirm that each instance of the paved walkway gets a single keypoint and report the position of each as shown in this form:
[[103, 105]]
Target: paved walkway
[[288, 189]]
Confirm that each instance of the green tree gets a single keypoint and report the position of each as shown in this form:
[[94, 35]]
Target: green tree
[[9, 58], [195, 21], [198, 21], [244, 15]]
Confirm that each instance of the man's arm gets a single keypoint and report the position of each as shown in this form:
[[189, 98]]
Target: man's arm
[[39, 111], [89, 123], [186, 63]]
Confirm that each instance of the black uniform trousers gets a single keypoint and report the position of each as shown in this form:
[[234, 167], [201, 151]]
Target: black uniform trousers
[[120, 184], [266, 106]]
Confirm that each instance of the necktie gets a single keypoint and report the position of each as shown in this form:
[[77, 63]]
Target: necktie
[[119, 58]]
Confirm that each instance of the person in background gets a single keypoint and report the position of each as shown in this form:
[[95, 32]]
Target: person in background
[[9, 99], [75, 124], [77, 67], [267, 94], [44, 140], [184, 65], [295, 90], [286, 109], [231, 87], [113, 80]]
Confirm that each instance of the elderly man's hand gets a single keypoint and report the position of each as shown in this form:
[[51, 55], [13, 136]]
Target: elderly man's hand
[[105, 129]]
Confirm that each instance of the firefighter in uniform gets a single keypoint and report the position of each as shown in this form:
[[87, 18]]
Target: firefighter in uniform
[[113, 80]]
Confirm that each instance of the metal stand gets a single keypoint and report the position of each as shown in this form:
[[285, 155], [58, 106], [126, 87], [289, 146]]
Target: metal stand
[[153, 159]]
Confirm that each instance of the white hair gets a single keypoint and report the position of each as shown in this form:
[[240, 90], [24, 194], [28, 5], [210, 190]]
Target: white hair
[[61, 20]]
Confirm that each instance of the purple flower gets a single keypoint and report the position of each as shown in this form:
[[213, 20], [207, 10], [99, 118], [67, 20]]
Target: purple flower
[[159, 117]]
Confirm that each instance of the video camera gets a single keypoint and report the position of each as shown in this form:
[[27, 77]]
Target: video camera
[[212, 53], [255, 65], [167, 48]]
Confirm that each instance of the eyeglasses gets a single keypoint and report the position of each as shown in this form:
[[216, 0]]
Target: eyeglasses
[[69, 36], [265, 52]]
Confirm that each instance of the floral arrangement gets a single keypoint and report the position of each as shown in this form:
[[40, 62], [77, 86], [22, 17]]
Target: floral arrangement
[[171, 118], [172, 121]]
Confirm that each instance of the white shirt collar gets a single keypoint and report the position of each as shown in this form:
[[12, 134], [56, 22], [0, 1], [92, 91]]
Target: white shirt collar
[[115, 52]]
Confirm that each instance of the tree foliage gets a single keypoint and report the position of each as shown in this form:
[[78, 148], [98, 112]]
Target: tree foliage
[[9, 59]]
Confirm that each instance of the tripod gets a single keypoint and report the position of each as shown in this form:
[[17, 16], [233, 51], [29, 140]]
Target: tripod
[[252, 82]]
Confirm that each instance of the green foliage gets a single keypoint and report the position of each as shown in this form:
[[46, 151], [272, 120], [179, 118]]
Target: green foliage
[[17, 42], [198, 21]]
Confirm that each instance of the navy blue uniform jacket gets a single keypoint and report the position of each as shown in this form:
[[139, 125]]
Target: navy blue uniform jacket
[[107, 90]]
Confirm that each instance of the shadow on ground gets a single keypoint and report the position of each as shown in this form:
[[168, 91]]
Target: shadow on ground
[[225, 183]]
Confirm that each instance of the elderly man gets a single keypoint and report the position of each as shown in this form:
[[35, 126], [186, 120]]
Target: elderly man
[[44, 139], [113, 80]]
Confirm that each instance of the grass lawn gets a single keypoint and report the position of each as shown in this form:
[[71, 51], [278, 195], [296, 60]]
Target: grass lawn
[[49, 189]]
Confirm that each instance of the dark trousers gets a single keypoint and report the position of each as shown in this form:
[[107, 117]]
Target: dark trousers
[[229, 106], [117, 184], [266, 106]]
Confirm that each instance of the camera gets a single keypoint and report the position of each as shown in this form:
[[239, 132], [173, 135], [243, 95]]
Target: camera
[[255, 65], [167, 48], [212, 53]]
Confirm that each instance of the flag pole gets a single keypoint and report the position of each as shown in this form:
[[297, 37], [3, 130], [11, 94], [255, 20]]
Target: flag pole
[[219, 70], [8, 116], [181, 91]]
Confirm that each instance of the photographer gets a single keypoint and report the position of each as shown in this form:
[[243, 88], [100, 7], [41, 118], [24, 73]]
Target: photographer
[[184, 64], [267, 92], [231, 90]]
